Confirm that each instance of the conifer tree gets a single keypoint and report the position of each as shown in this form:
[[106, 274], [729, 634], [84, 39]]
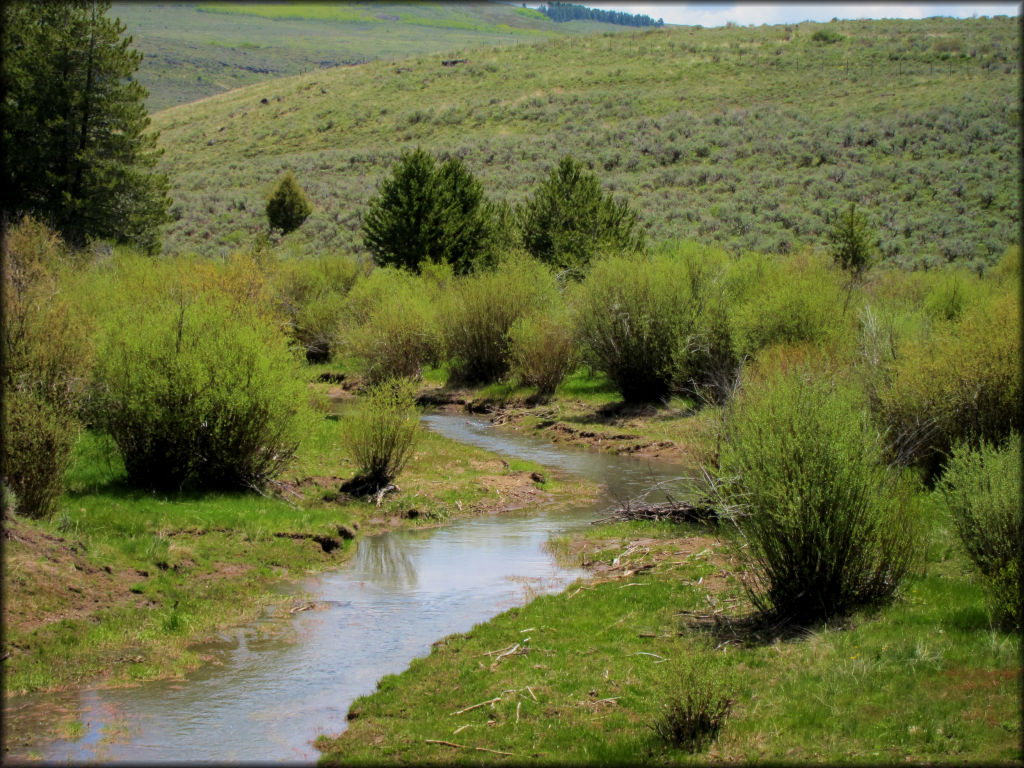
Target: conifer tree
[[77, 154], [288, 207]]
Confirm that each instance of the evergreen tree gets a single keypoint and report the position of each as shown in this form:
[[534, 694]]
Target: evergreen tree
[[426, 213], [569, 220], [288, 207], [76, 150]]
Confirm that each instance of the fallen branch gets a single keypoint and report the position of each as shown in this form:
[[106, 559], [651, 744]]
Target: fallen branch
[[502, 656], [676, 511], [466, 746], [475, 706], [500, 650]]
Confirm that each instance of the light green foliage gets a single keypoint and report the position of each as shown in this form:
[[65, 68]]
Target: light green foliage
[[637, 319], [38, 439], [824, 528], [391, 324], [480, 310], [75, 124], [197, 390], [381, 433], [543, 350], [288, 206], [982, 490], [786, 301], [427, 213], [962, 382], [568, 220]]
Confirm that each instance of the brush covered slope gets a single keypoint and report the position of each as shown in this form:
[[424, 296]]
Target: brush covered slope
[[751, 138]]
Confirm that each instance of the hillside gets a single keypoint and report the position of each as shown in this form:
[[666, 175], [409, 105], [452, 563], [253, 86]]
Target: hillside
[[195, 50], [747, 137]]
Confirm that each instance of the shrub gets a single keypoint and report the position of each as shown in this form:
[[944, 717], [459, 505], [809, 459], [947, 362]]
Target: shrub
[[198, 392], [381, 434], [982, 490], [481, 309], [288, 207], [38, 439], [392, 325], [696, 709], [961, 383], [823, 528], [634, 319], [543, 351], [568, 220], [426, 213]]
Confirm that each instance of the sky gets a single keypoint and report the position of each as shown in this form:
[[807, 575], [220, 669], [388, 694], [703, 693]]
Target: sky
[[711, 14]]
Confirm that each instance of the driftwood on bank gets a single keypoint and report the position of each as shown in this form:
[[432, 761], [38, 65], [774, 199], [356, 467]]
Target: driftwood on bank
[[676, 511]]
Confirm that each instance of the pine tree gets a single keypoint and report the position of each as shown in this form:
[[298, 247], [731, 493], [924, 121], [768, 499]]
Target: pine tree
[[288, 207], [76, 150], [569, 220]]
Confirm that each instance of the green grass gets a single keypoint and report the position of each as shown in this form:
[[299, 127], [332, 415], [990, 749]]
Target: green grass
[[750, 138], [923, 679]]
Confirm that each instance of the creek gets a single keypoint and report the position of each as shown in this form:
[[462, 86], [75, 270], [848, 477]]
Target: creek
[[273, 686]]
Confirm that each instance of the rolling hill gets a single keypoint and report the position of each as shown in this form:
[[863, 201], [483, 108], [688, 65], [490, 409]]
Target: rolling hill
[[747, 137]]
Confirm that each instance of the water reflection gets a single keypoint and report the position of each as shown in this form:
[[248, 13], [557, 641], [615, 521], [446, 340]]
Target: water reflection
[[387, 561]]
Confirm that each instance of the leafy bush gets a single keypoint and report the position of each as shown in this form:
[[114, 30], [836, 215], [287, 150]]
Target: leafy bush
[[634, 319], [961, 383], [381, 434], [426, 213], [481, 309], [982, 490], [288, 206], [823, 528], [568, 220], [198, 392], [696, 709], [38, 439], [392, 325], [543, 351]]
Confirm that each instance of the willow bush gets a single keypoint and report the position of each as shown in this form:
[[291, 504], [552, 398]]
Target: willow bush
[[543, 350], [981, 488], [824, 528], [380, 434]]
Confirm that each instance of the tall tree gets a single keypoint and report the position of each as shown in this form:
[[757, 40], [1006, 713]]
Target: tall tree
[[76, 149]]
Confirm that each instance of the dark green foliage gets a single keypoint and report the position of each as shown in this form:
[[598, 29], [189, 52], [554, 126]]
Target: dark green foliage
[[982, 490], [288, 207], [568, 220], [850, 242], [824, 530], [198, 391], [557, 11], [38, 439], [826, 36], [76, 151], [429, 213], [381, 434]]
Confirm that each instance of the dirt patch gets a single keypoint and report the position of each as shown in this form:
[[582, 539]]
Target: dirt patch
[[50, 578]]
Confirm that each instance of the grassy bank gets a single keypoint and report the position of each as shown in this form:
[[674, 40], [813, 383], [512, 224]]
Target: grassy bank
[[583, 676], [119, 584]]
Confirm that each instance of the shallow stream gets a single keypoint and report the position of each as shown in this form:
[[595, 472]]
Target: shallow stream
[[275, 685]]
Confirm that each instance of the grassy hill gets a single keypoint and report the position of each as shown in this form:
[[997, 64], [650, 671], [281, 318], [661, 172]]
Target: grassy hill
[[194, 50], [746, 137]]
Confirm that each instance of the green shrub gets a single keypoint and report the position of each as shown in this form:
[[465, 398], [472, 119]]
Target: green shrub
[[38, 438], [823, 528], [429, 213], [543, 351], [568, 220], [381, 434], [636, 319], [786, 302], [982, 490], [696, 709], [288, 206], [198, 392], [961, 383], [480, 310], [392, 325]]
